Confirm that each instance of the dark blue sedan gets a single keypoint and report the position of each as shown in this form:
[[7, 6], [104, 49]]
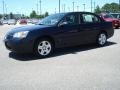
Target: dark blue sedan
[[57, 31]]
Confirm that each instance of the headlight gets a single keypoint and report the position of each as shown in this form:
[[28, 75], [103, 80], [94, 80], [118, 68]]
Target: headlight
[[22, 34]]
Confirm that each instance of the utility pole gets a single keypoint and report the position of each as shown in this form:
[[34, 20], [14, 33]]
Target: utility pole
[[40, 7], [64, 7], [37, 8], [3, 8], [68, 9], [84, 7], [73, 5], [77, 8], [91, 5], [55, 10], [94, 6], [59, 6]]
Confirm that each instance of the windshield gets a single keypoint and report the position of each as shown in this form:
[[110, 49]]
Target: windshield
[[51, 20], [116, 15], [108, 16]]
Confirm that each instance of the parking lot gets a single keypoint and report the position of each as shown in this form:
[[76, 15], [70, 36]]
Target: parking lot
[[85, 67]]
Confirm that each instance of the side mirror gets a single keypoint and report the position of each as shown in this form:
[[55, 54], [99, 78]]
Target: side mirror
[[63, 23]]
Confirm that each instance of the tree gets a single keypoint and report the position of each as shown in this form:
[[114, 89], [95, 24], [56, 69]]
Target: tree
[[97, 10], [46, 14], [1, 16], [113, 7], [23, 16], [33, 14], [11, 15]]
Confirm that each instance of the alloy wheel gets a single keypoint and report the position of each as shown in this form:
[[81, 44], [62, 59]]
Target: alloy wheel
[[102, 39], [44, 48]]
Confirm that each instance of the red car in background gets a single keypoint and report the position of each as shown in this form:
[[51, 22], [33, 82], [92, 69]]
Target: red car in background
[[22, 21], [110, 18]]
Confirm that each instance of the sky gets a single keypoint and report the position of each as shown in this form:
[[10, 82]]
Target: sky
[[26, 6]]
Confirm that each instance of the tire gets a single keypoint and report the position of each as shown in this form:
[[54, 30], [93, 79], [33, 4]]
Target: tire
[[117, 27], [101, 39], [44, 48]]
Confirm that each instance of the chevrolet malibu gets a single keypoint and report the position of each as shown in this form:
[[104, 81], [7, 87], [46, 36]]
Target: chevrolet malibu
[[57, 31]]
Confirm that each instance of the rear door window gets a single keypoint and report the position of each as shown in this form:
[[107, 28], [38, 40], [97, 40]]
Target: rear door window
[[89, 18]]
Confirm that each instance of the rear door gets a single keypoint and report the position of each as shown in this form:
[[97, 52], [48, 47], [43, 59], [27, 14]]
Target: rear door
[[89, 27]]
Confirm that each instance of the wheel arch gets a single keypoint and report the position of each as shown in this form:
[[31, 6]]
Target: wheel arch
[[46, 37], [103, 31]]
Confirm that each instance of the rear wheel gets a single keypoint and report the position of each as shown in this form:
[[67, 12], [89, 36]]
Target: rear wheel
[[44, 48], [117, 27], [101, 39]]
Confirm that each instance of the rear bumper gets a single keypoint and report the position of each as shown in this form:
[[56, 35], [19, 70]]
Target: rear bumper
[[116, 24]]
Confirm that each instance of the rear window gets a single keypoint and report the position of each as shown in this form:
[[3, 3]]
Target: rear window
[[116, 15], [108, 16]]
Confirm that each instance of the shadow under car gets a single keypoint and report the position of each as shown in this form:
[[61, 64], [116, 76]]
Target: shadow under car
[[57, 52]]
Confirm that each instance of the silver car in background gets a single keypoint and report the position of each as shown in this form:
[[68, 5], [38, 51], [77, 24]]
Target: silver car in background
[[11, 22], [5, 21]]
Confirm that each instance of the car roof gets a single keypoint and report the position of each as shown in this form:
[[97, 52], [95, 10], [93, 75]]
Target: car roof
[[77, 12], [114, 13]]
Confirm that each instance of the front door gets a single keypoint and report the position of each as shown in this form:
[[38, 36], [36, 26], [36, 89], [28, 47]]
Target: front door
[[68, 30]]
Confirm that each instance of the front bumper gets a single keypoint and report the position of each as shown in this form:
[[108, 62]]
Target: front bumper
[[19, 45]]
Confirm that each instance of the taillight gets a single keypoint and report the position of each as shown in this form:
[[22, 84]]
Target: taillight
[[115, 21]]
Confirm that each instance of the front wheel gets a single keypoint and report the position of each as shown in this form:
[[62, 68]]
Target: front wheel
[[44, 48], [101, 39]]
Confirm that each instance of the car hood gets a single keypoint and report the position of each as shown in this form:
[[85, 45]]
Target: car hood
[[110, 19], [29, 28]]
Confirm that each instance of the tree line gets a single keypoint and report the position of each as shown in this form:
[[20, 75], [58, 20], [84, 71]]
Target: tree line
[[32, 15], [112, 7]]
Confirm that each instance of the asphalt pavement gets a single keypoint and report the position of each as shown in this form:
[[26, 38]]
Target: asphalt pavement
[[85, 67]]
